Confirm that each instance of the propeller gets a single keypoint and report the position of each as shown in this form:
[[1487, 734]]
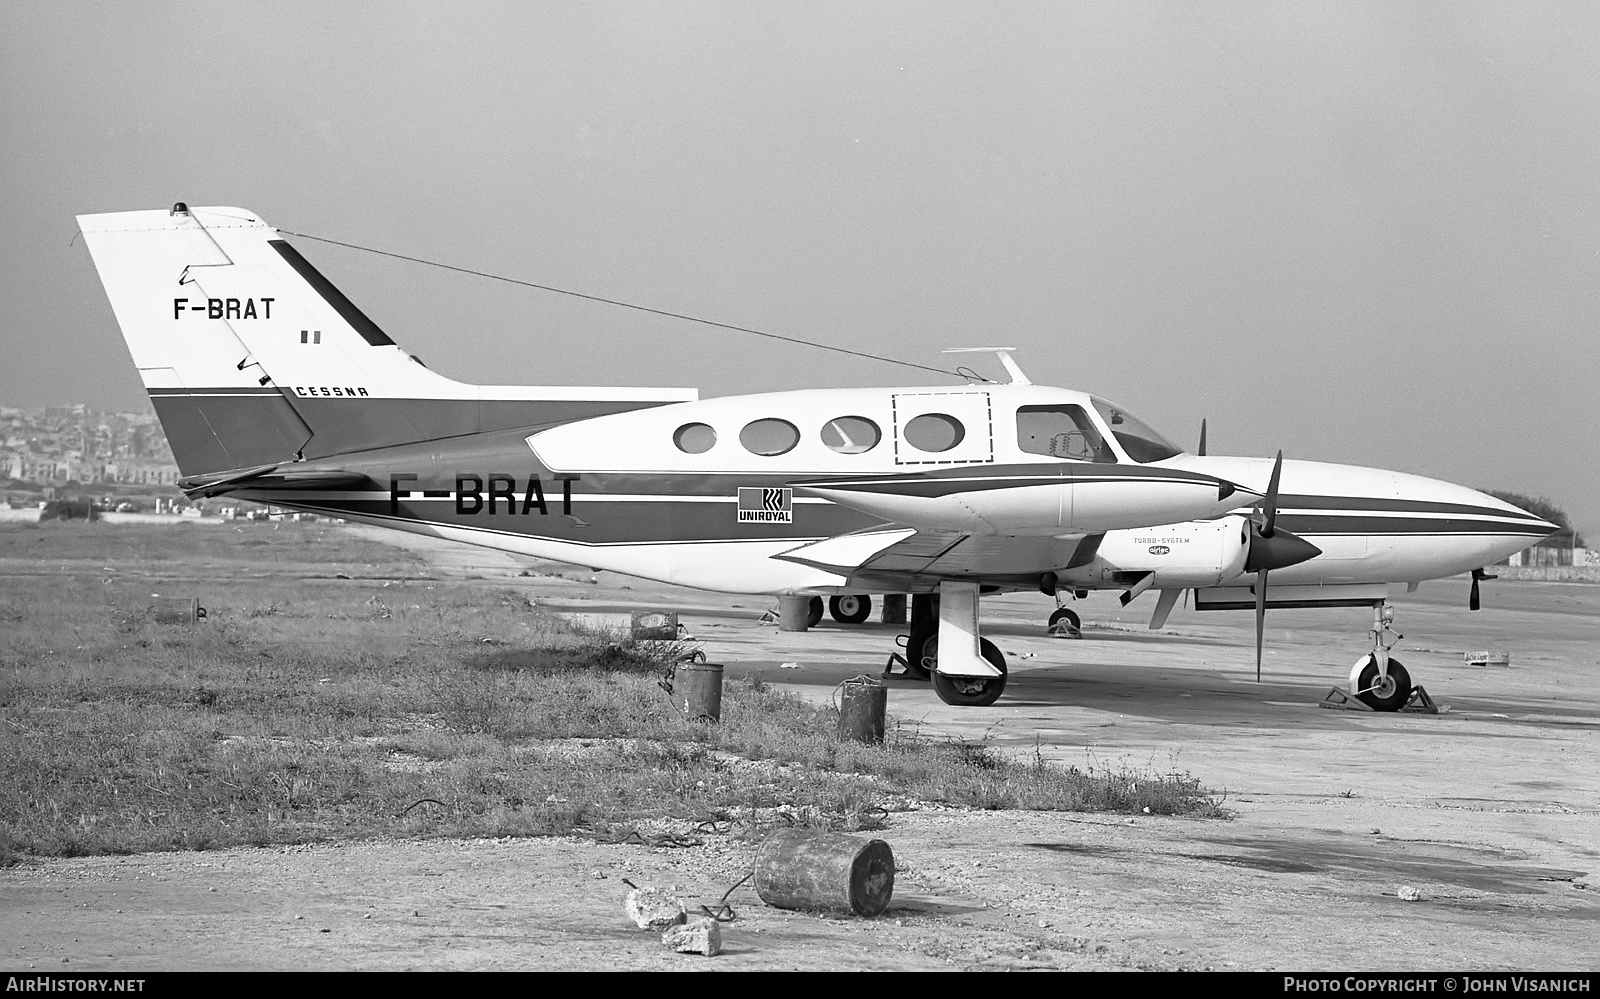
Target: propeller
[[1477, 574], [1272, 548], [1202, 450]]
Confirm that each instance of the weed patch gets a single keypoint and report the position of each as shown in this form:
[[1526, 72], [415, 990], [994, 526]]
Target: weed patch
[[311, 708]]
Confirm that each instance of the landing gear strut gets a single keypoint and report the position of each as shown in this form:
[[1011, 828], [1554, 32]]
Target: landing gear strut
[[967, 670], [1377, 678], [1064, 621]]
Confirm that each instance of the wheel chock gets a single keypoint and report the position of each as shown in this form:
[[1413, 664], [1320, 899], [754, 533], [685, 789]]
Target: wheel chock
[[1420, 703], [1063, 629], [1341, 699], [888, 667]]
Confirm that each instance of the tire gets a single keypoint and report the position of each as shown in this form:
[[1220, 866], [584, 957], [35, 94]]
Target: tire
[[1392, 696], [851, 608], [814, 612], [1070, 616], [915, 643], [968, 691]]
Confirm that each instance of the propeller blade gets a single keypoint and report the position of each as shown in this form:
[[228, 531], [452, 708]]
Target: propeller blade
[[1202, 450], [1261, 616], [1272, 497], [1477, 574]]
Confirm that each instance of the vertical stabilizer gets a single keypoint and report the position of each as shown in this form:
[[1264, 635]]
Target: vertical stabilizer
[[252, 356]]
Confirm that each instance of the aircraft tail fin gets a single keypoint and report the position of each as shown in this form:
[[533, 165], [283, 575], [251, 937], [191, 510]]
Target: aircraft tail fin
[[251, 356]]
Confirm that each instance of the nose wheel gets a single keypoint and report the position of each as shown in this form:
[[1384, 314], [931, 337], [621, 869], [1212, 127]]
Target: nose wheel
[[1064, 621], [1387, 691]]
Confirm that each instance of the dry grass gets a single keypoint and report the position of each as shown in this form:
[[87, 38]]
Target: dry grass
[[312, 707]]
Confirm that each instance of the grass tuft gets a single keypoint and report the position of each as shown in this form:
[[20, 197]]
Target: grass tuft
[[310, 707]]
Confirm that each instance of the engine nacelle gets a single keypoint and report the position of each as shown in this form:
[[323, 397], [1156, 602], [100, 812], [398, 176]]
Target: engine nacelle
[[1197, 553]]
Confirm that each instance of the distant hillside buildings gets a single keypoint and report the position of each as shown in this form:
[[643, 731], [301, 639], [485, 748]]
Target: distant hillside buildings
[[60, 444]]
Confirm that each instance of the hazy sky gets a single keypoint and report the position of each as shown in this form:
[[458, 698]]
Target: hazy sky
[[1366, 233]]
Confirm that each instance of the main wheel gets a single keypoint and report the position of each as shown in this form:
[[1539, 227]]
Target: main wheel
[[1388, 693], [1065, 619], [966, 691], [814, 612], [850, 608]]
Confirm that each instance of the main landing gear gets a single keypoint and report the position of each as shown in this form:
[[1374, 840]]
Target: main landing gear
[[944, 645], [1377, 678]]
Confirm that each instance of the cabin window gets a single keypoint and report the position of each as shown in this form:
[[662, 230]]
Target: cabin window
[[1061, 432], [933, 432], [1137, 438], [694, 438], [769, 437], [851, 434]]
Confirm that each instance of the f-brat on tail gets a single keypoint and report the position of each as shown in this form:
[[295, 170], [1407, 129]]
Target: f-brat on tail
[[252, 357]]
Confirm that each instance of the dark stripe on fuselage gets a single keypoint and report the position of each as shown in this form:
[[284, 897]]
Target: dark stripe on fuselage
[[1288, 502], [947, 481], [595, 520], [1312, 526]]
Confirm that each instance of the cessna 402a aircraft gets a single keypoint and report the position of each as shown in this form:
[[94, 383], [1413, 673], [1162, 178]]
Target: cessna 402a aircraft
[[273, 387]]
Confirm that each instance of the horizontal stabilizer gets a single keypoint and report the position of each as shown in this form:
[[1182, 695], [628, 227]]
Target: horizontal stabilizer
[[269, 477]]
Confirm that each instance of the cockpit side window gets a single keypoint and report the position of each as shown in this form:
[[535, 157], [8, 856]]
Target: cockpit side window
[[1138, 438], [1061, 432]]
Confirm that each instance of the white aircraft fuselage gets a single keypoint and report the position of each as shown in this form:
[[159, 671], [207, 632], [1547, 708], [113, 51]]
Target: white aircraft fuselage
[[272, 386]]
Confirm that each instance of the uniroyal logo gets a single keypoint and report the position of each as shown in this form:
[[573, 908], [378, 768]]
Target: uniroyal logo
[[764, 505]]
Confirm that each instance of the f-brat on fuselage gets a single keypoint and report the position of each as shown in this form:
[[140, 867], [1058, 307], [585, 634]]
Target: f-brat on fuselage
[[272, 386]]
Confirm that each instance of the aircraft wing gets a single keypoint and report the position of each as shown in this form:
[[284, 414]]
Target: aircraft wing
[[894, 558]]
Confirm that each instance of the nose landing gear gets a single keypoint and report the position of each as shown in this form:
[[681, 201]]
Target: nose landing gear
[[1378, 679]]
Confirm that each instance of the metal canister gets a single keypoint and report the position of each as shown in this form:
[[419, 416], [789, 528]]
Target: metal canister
[[862, 701], [698, 689]]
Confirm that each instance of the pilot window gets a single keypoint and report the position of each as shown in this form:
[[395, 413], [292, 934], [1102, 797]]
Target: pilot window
[[1061, 432]]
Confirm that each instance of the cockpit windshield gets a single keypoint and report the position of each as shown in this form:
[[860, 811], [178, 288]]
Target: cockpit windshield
[[1137, 438]]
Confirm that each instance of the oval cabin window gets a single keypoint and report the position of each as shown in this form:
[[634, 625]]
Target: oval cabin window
[[695, 438], [851, 434], [933, 432], [769, 437]]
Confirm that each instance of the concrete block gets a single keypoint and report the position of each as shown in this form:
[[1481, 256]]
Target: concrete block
[[654, 908], [701, 935]]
